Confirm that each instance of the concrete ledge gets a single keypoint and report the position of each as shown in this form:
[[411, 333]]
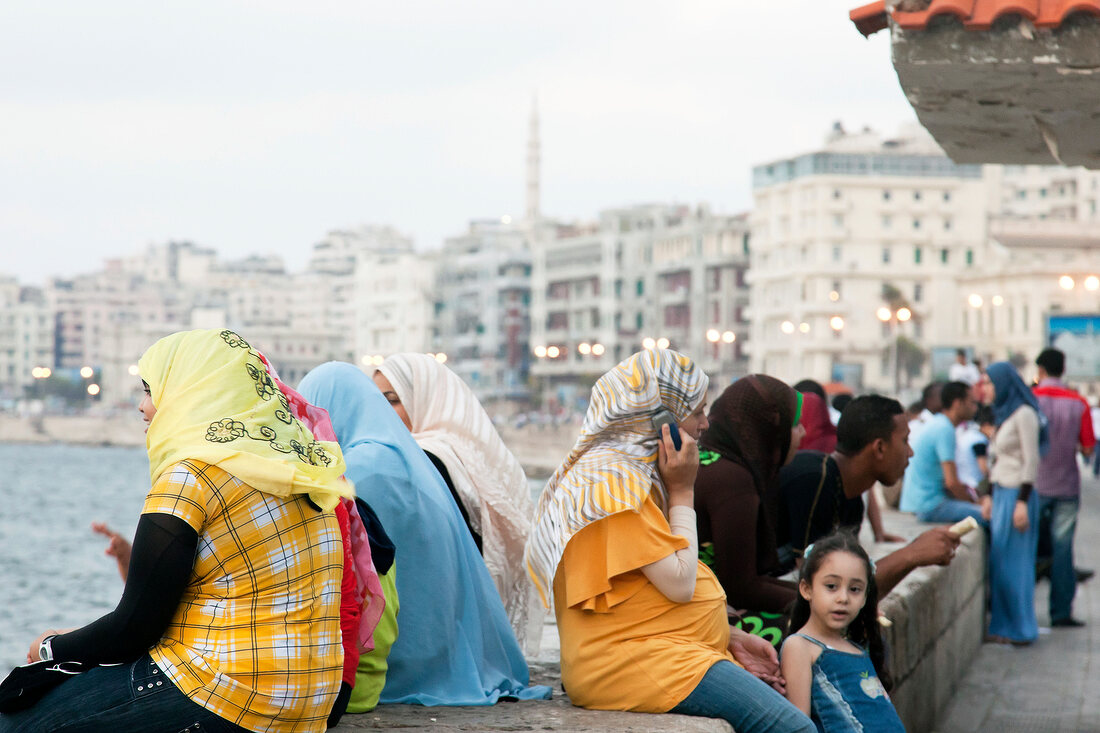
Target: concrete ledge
[[938, 617]]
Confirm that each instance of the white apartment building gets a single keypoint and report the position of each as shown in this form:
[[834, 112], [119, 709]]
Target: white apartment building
[[482, 308], [26, 337], [831, 228], [603, 290], [395, 302]]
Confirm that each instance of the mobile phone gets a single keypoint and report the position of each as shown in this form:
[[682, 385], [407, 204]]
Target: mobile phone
[[664, 417]]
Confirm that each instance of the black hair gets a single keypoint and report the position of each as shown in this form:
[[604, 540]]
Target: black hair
[[1052, 361], [953, 392], [809, 385], [930, 390], [864, 629], [984, 416], [841, 401], [866, 419], [960, 352]]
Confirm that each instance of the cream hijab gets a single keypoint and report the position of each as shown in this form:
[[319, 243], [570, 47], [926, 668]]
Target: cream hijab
[[449, 422]]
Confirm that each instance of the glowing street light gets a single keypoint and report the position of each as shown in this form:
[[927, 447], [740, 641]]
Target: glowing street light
[[584, 348], [662, 343], [1092, 282], [649, 343], [133, 370], [998, 300], [1066, 282], [729, 337], [597, 349], [93, 389], [540, 351], [553, 351], [804, 327], [441, 358], [904, 314], [86, 372], [786, 327], [836, 323], [834, 296], [884, 314], [713, 335], [975, 300]]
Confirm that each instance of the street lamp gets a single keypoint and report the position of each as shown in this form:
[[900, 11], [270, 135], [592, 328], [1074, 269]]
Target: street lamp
[[895, 318], [584, 348], [1092, 282], [649, 342], [1066, 282], [662, 343], [786, 327], [597, 349]]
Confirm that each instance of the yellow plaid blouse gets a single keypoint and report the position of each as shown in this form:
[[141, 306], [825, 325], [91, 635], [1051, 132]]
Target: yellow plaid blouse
[[256, 636]]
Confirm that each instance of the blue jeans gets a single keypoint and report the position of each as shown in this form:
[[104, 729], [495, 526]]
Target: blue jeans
[[124, 697], [1058, 518], [953, 510], [746, 703]]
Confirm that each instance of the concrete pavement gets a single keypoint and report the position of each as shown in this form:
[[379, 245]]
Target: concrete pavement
[[1053, 685]]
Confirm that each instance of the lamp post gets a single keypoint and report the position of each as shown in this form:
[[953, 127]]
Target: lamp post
[[894, 317]]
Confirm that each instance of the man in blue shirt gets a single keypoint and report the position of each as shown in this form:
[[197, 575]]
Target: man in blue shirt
[[932, 488]]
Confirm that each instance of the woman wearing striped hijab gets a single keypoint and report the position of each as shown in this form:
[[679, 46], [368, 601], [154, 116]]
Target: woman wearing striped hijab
[[489, 486], [613, 550]]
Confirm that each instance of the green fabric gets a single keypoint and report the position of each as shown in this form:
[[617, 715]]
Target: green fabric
[[707, 457], [769, 626], [370, 677]]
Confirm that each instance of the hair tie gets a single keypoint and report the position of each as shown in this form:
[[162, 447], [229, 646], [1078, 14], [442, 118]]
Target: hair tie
[[808, 550]]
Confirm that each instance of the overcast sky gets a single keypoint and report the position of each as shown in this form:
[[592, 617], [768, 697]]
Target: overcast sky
[[257, 126]]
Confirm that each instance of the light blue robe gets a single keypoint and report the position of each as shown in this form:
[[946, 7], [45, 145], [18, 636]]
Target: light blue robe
[[454, 643]]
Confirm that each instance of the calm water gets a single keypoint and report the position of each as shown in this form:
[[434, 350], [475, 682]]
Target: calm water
[[53, 573]]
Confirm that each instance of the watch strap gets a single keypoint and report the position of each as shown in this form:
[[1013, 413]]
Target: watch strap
[[45, 648]]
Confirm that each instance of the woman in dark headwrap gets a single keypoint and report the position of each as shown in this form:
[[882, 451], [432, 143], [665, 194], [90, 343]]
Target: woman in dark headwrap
[[754, 430]]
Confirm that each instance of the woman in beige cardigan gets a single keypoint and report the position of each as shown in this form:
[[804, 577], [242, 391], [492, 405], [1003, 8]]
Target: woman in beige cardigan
[[1014, 524]]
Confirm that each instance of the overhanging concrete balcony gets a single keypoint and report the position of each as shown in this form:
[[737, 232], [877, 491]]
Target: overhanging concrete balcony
[[999, 81]]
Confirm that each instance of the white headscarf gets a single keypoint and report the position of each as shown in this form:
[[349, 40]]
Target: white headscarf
[[449, 422]]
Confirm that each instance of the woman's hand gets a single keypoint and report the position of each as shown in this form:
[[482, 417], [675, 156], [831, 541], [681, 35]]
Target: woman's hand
[[32, 654], [757, 656], [678, 467], [986, 503], [117, 547], [1019, 516]]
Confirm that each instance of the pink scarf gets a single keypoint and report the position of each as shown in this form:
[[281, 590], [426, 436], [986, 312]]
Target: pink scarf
[[369, 592]]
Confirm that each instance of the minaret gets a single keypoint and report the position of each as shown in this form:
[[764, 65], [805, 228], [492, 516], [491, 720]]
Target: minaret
[[533, 164]]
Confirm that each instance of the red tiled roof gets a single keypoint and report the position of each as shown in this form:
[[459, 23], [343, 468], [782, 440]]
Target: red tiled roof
[[975, 15]]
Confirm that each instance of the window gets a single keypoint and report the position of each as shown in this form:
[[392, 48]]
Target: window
[[916, 223], [836, 193], [916, 255], [887, 220], [969, 257], [886, 195], [886, 255], [639, 288], [947, 225], [836, 254], [838, 221], [917, 292], [946, 196], [916, 195], [944, 255]]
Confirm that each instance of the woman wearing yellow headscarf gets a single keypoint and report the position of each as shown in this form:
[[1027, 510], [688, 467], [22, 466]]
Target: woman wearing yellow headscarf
[[614, 551], [229, 620]]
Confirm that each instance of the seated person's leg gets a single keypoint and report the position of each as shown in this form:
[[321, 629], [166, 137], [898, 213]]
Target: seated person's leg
[[749, 705], [951, 511]]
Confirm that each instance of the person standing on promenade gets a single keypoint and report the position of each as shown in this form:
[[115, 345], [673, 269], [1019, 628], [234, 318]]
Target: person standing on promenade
[[1014, 527], [613, 550], [932, 488], [820, 493], [1059, 480], [235, 569]]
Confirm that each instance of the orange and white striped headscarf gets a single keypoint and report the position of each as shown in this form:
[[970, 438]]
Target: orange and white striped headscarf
[[612, 467]]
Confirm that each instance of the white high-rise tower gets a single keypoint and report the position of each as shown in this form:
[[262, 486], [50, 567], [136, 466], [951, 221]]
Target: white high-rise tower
[[533, 164]]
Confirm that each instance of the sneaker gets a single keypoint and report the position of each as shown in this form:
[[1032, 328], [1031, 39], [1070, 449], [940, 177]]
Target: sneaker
[[1069, 622]]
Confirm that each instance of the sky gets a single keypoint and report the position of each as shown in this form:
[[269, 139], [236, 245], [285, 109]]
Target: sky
[[256, 126]]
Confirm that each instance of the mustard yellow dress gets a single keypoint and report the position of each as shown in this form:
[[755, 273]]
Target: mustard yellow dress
[[624, 645]]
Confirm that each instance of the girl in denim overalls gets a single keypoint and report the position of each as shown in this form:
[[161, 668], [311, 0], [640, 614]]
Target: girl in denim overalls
[[834, 664]]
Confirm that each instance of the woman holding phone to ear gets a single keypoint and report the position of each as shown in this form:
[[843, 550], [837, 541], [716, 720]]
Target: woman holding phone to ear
[[754, 430], [613, 551]]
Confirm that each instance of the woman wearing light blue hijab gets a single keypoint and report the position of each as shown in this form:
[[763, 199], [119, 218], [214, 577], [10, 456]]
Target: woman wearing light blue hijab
[[454, 644], [1014, 532]]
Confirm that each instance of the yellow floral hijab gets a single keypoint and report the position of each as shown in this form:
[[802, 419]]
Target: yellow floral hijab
[[217, 404]]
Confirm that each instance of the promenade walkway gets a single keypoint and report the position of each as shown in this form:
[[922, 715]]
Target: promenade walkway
[[1053, 685]]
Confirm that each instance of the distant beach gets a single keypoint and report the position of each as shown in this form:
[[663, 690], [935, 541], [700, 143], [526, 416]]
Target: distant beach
[[539, 448]]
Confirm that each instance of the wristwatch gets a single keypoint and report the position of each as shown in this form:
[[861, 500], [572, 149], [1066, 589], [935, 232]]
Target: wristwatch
[[45, 648]]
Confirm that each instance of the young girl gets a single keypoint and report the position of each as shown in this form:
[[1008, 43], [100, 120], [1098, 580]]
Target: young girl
[[834, 665]]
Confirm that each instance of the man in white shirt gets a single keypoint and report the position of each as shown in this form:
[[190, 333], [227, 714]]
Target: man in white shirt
[[963, 371]]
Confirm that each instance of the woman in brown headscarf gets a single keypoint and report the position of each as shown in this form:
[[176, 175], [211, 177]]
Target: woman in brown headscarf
[[754, 430]]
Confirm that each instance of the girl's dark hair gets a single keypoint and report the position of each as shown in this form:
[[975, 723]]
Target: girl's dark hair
[[864, 629]]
